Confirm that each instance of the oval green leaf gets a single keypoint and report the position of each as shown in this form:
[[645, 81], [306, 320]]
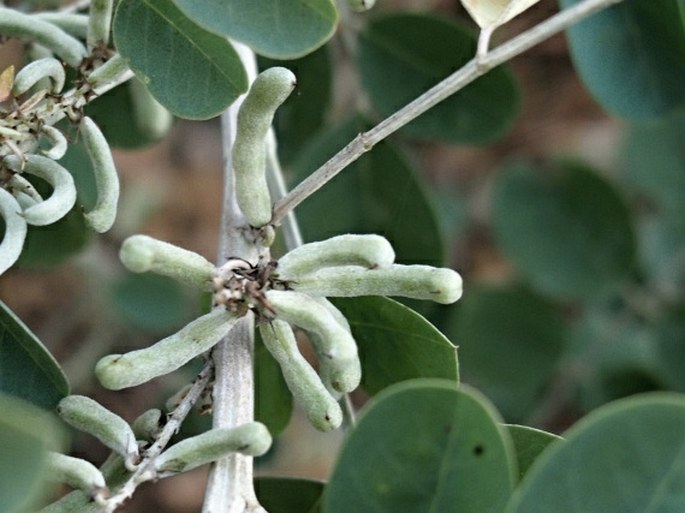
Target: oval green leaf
[[403, 55], [26, 434], [286, 495], [424, 445], [529, 443], [382, 195], [624, 457], [285, 29], [191, 72], [565, 228], [510, 341], [27, 369], [631, 57], [396, 344]]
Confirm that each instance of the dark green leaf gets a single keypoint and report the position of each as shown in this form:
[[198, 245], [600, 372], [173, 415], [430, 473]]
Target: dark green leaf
[[273, 402], [285, 495], [382, 195], [671, 348], [26, 434], [662, 254], [424, 445], [396, 344], [627, 456], [565, 228], [193, 73], [27, 369], [509, 343], [285, 29], [403, 55], [304, 112], [631, 57], [529, 444], [153, 303]]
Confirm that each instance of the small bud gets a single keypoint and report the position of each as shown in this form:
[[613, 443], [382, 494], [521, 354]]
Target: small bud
[[117, 371], [252, 439], [147, 425], [89, 416], [109, 71], [369, 251], [140, 253]]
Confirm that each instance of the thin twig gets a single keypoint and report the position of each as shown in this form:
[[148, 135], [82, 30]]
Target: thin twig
[[145, 471], [450, 85]]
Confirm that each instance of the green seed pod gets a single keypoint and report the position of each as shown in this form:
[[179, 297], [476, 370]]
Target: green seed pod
[[101, 218], [363, 250], [118, 371], [59, 142], [322, 410], [268, 92], [73, 24], [30, 28], [252, 439], [89, 416], [151, 118], [147, 425], [64, 191], [361, 5], [334, 345], [15, 230], [99, 23], [75, 472], [140, 253], [36, 71], [415, 281], [18, 184], [109, 71]]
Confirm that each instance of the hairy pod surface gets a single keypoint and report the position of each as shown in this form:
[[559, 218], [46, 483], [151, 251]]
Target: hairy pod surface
[[75, 472], [30, 28], [333, 343], [252, 439], [89, 416], [141, 253], [73, 24], [35, 71], [58, 141], [369, 251], [117, 371], [109, 71], [15, 230], [99, 23], [19, 184], [63, 195], [414, 281], [102, 217], [322, 410], [147, 425], [267, 93]]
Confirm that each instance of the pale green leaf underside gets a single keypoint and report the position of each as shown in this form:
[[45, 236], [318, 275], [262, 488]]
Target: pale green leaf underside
[[193, 73]]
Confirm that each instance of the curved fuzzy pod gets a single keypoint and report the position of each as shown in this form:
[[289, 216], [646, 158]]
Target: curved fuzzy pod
[[19, 184], [322, 410], [267, 93], [252, 439], [15, 230], [89, 416], [415, 281], [99, 23], [333, 343], [108, 72], [64, 191], [151, 118], [102, 216], [59, 142], [147, 425], [35, 71], [30, 28], [117, 371], [72, 23], [140, 253], [75, 472], [369, 251]]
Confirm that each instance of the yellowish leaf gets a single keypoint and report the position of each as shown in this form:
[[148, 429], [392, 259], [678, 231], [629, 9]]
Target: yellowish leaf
[[492, 13], [6, 83]]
